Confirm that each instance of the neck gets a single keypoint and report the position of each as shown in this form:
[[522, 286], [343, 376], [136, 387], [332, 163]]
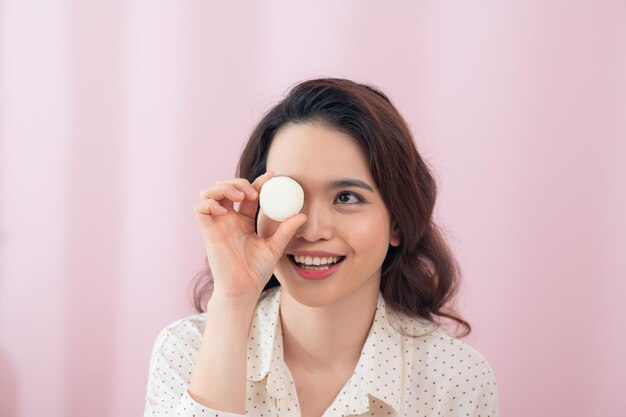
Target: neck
[[328, 338]]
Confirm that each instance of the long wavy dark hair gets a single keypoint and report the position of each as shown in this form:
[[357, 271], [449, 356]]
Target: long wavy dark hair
[[421, 276]]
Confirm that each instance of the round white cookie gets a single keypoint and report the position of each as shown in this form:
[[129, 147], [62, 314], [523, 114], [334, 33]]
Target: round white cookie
[[281, 197]]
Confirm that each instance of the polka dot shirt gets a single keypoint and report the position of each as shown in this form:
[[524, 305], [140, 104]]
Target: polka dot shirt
[[434, 374]]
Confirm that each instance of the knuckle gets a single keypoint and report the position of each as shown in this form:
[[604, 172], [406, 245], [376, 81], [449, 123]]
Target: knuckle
[[231, 188], [226, 189], [216, 191], [236, 182]]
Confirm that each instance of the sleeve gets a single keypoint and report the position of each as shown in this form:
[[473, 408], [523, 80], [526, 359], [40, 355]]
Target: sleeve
[[168, 379], [487, 403], [468, 385]]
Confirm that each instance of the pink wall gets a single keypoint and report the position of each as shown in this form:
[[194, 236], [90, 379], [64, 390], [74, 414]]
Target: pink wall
[[114, 115]]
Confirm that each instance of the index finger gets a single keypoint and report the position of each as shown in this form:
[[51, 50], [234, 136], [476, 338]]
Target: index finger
[[258, 182], [248, 207]]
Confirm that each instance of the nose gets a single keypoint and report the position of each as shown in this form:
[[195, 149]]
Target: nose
[[318, 224]]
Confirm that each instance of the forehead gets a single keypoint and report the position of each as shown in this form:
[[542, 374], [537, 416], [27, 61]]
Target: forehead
[[313, 153]]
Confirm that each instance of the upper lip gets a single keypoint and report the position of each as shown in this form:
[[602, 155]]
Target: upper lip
[[312, 253]]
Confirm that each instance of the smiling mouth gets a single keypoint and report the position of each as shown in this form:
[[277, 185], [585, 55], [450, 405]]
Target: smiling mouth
[[292, 259]]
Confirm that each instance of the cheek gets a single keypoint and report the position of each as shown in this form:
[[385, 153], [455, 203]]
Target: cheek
[[368, 234]]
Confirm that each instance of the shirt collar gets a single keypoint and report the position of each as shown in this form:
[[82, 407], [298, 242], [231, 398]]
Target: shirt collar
[[373, 375], [379, 369], [264, 344]]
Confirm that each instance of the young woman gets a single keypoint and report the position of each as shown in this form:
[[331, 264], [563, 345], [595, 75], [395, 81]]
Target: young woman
[[365, 337]]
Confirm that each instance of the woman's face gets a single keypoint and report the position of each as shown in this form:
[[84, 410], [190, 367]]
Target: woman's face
[[351, 221]]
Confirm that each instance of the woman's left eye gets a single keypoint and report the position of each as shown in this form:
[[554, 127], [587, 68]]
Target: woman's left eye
[[359, 199]]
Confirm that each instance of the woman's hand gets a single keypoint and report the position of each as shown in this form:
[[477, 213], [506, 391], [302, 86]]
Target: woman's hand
[[241, 261]]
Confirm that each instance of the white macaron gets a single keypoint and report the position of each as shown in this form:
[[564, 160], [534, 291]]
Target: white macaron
[[280, 198]]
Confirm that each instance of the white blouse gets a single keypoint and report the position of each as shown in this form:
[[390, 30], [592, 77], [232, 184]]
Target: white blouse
[[434, 374]]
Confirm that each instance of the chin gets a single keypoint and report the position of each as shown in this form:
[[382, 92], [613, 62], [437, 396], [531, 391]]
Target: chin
[[307, 295], [310, 299]]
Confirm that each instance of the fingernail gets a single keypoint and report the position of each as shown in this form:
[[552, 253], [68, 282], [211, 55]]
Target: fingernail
[[252, 190]]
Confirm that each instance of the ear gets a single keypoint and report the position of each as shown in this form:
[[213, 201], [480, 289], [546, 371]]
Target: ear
[[394, 234]]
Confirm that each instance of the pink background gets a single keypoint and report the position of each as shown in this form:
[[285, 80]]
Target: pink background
[[114, 114]]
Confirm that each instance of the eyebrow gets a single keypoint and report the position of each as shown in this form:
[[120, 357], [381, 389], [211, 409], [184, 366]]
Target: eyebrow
[[349, 182], [342, 183]]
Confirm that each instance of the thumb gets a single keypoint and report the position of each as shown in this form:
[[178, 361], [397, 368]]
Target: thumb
[[281, 237]]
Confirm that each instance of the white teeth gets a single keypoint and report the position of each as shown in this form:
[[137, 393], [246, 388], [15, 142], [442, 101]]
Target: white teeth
[[308, 260]]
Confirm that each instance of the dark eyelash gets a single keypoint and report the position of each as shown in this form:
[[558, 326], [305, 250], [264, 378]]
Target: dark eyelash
[[361, 201]]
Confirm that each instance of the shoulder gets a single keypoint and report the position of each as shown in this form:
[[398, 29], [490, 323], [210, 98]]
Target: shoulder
[[463, 356], [436, 351], [187, 332], [184, 334], [439, 360]]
